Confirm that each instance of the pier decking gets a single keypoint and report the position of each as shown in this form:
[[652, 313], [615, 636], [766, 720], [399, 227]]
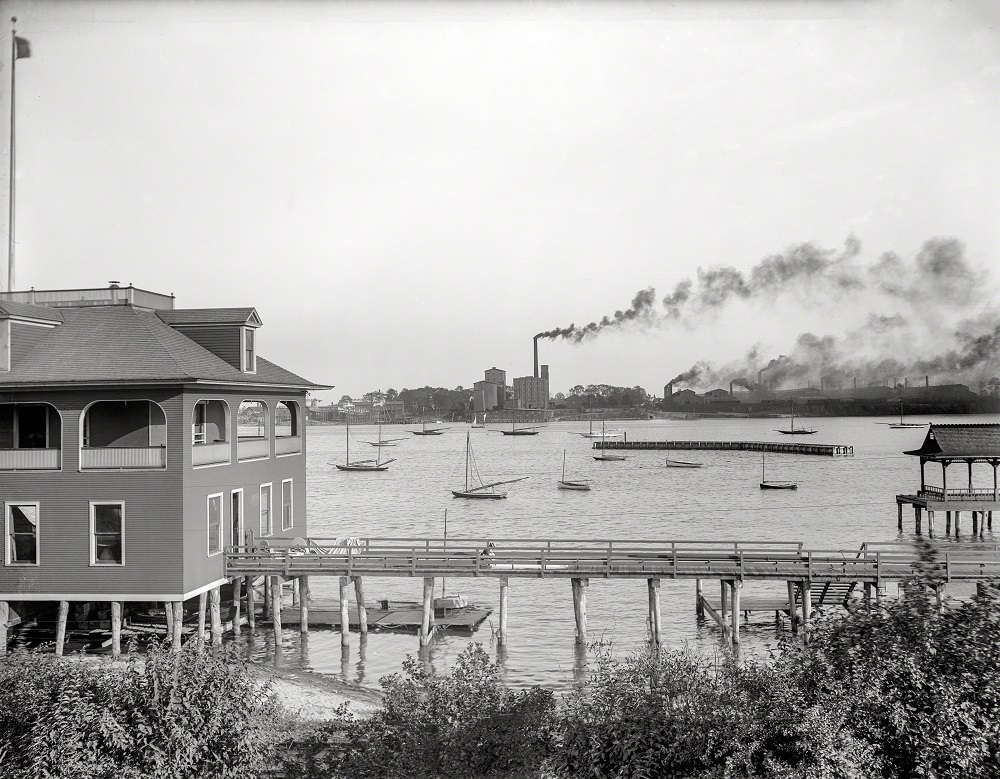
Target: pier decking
[[832, 574], [829, 450]]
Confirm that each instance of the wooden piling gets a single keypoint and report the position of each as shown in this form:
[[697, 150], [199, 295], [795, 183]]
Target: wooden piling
[[958, 523], [303, 604], [251, 605], [215, 615], [202, 608], [4, 619], [276, 613], [655, 621], [295, 591], [345, 618], [947, 523], [930, 522], [427, 623], [168, 618], [989, 519], [899, 516], [699, 596], [806, 608], [175, 638], [792, 610], [266, 605], [580, 609], [916, 517], [237, 602], [502, 632], [736, 586], [724, 609], [61, 626], [359, 596], [975, 523]]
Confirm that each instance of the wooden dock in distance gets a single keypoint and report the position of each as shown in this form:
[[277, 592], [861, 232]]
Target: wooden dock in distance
[[388, 615], [828, 450]]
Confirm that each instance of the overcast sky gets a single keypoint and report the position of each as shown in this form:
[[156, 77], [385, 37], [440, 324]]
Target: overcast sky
[[408, 192]]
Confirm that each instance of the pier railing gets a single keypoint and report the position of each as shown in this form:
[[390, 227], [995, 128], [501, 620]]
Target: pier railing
[[467, 557]]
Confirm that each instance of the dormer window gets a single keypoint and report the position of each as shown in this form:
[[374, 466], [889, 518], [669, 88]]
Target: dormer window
[[249, 351]]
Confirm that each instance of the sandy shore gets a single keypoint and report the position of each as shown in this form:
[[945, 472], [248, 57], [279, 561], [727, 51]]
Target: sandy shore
[[314, 696]]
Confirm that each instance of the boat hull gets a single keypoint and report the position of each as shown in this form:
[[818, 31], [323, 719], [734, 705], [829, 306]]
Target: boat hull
[[611, 457], [682, 464], [778, 485], [798, 432], [350, 467], [573, 485], [479, 495], [519, 432]]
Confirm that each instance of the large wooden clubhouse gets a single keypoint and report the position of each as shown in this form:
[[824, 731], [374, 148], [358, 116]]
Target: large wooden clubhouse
[[137, 442]]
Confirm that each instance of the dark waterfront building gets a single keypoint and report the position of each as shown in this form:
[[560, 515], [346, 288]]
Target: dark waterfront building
[[137, 441]]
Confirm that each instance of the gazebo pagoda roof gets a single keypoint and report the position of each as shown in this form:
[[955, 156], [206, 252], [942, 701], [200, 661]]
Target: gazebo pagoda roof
[[960, 442]]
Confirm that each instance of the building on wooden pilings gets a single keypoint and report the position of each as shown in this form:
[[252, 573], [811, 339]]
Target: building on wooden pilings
[[966, 449], [137, 441]]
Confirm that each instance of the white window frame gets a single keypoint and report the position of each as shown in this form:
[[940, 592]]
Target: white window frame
[[243, 522], [208, 523], [93, 534], [270, 510], [291, 504], [9, 540], [248, 366]]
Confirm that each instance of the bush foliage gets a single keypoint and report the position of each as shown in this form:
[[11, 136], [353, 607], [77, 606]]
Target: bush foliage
[[162, 714]]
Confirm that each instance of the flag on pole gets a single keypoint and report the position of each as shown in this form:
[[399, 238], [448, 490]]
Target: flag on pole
[[22, 48]]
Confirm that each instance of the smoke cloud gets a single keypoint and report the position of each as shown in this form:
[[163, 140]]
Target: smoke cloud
[[918, 322]]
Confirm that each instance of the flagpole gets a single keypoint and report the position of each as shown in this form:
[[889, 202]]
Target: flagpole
[[10, 200]]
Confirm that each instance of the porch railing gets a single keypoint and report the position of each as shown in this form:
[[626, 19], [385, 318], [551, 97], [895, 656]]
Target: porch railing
[[210, 454], [288, 444], [124, 457], [252, 448], [30, 459]]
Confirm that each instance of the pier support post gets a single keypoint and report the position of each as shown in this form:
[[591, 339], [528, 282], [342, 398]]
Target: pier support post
[[4, 619], [975, 523], [202, 609], [116, 629], [251, 605], [737, 586], [806, 608], [303, 604], [930, 522], [916, 517], [215, 615], [502, 632], [175, 638], [345, 617], [427, 624], [899, 516], [168, 618], [989, 519], [295, 591], [359, 596], [947, 523], [655, 622], [723, 598], [276, 614], [266, 605], [699, 595], [958, 523], [61, 626], [580, 609], [792, 609], [237, 603]]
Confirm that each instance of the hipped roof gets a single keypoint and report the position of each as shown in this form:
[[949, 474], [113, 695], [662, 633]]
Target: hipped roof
[[944, 442], [121, 344]]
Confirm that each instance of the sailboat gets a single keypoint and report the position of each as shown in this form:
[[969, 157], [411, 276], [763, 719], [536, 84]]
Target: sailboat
[[481, 490], [800, 431], [519, 430], [384, 441], [602, 434], [605, 456], [682, 463], [477, 423], [362, 465], [424, 431], [774, 485], [563, 484], [901, 425]]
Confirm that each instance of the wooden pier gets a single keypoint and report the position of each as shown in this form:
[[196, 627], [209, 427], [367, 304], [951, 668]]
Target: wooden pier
[[812, 576], [828, 450]]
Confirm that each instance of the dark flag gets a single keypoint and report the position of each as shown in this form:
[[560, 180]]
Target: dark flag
[[22, 48]]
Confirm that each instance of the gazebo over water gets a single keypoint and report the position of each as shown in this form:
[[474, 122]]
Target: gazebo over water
[[970, 488]]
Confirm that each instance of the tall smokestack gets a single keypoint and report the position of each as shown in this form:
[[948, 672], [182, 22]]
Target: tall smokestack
[[536, 356], [730, 389], [668, 390], [855, 382]]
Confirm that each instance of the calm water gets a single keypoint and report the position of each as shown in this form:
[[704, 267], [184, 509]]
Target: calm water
[[840, 503]]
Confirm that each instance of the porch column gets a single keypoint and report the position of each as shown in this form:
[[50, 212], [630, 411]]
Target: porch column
[[202, 607], [970, 474], [178, 607], [4, 618], [237, 582], [923, 485], [215, 615], [944, 480], [61, 626]]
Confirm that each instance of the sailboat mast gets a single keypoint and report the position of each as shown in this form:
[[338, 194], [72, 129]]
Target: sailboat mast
[[468, 446]]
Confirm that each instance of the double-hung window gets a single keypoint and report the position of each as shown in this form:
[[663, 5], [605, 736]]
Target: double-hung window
[[22, 534], [107, 533], [286, 504], [215, 523], [266, 522]]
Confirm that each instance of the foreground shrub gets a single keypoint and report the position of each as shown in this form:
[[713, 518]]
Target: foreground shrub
[[463, 724], [673, 714], [163, 714]]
